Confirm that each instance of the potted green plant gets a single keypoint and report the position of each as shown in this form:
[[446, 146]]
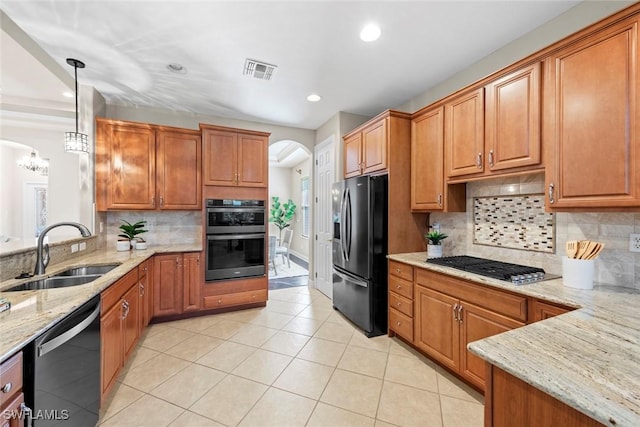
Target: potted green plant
[[130, 233], [434, 243], [281, 214]]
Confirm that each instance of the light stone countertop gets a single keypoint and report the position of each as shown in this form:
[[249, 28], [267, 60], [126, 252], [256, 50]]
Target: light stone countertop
[[34, 312], [588, 358]]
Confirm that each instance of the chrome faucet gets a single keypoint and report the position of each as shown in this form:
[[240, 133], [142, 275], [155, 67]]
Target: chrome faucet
[[42, 252]]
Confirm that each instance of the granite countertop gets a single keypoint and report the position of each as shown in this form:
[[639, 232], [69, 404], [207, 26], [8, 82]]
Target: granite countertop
[[33, 312], [587, 358]]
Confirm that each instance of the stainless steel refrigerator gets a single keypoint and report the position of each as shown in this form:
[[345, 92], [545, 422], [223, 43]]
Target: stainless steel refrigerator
[[359, 251]]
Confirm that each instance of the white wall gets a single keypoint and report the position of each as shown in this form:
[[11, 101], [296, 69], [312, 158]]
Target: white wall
[[299, 244]]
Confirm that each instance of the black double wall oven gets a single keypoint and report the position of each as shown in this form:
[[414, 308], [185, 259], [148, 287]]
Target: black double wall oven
[[235, 245]]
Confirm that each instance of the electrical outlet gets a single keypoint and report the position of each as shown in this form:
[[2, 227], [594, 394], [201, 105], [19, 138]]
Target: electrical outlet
[[74, 248], [83, 246], [634, 242]]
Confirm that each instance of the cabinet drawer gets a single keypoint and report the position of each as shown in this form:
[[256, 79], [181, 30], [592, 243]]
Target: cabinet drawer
[[10, 378], [505, 303], [401, 324], [401, 287], [113, 294], [403, 271], [239, 298], [400, 303]]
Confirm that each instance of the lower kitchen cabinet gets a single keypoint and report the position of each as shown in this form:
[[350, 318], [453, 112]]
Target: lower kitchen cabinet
[[401, 300], [541, 310], [144, 286], [177, 283], [119, 327], [11, 396], [510, 402]]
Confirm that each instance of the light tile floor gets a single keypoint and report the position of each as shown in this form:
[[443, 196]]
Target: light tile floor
[[296, 362]]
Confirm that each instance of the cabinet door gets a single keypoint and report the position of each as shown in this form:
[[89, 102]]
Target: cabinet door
[[427, 160], [192, 282], [477, 323], [220, 157], [144, 293], [464, 134], [374, 147], [437, 332], [131, 319], [353, 155], [111, 346], [11, 414], [512, 120], [591, 121], [178, 170], [132, 159], [543, 310], [252, 160], [167, 285]]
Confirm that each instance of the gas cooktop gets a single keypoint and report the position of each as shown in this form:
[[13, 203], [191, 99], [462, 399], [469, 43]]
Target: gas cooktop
[[514, 273]]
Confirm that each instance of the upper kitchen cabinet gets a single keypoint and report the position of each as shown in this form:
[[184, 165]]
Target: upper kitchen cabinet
[[591, 121], [464, 133], [428, 189], [495, 129], [234, 157], [143, 166], [366, 149], [512, 120]]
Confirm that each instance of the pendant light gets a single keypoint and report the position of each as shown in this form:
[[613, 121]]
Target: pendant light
[[76, 142]]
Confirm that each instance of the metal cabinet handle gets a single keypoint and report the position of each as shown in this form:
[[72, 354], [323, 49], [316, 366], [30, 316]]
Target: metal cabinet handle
[[153, 202], [455, 313], [219, 301], [440, 199], [7, 387], [141, 289], [161, 201], [460, 313], [479, 161], [28, 414], [398, 323], [399, 304], [398, 270], [398, 287], [551, 189], [125, 306], [490, 157]]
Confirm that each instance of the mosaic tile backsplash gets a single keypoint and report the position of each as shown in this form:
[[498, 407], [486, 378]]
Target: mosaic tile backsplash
[[516, 222]]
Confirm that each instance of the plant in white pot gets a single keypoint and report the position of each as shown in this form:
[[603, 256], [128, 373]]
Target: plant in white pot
[[130, 233], [434, 243]]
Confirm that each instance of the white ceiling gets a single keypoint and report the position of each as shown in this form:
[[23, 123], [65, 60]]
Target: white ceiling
[[287, 154], [127, 46]]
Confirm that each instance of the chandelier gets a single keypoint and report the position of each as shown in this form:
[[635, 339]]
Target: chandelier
[[75, 141], [34, 163]]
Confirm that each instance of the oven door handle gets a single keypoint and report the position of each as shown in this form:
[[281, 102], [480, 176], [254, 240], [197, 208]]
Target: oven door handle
[[235, 236], [223, 210], [56, 342]]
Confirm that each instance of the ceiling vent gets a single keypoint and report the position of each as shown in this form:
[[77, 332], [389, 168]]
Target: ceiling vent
[[259, 70]]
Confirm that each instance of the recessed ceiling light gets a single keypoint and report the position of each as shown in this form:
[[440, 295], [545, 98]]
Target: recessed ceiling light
[[313, 98], [370, 32], [67, 94], [177, 68]]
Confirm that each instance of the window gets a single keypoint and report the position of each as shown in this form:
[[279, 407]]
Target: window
[[304, 206]]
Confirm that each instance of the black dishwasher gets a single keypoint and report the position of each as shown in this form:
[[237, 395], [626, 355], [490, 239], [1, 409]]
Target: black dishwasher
[[62, 370]]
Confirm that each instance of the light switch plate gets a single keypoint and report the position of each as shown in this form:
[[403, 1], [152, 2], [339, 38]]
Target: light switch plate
[[634, 242], [74, 248], [83, 246]]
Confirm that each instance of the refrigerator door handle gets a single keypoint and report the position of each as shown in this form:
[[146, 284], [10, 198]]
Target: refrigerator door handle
[[350, 279], [349, 226]]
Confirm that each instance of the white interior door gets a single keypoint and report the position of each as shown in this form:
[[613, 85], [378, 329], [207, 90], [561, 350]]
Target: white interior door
[[324, 153]]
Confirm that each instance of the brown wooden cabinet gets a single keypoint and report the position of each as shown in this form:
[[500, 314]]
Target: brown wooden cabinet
[[591, 120], [366, 149], [449, 313], [234, 157], [177, 284], [401, 300], [428, 189], [144, 167], [11, 395], [510, 402], [512, 120], [541, 310], [119, 327], [464, 133]]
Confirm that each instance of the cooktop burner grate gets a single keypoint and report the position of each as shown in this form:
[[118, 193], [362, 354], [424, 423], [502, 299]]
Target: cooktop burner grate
[[514, 273]]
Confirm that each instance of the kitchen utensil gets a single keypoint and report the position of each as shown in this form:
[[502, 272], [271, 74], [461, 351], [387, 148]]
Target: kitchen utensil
[[596, 251], [572, 248], [582, 248]]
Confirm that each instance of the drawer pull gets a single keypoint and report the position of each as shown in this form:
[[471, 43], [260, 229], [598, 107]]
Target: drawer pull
[[219, 301], [399, 304], [398, 287], [398, 270], [455, 313], [398, 323], [7, 387]]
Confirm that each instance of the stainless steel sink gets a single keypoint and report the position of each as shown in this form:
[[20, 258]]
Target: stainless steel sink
[[71, 277], [87, 270]]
